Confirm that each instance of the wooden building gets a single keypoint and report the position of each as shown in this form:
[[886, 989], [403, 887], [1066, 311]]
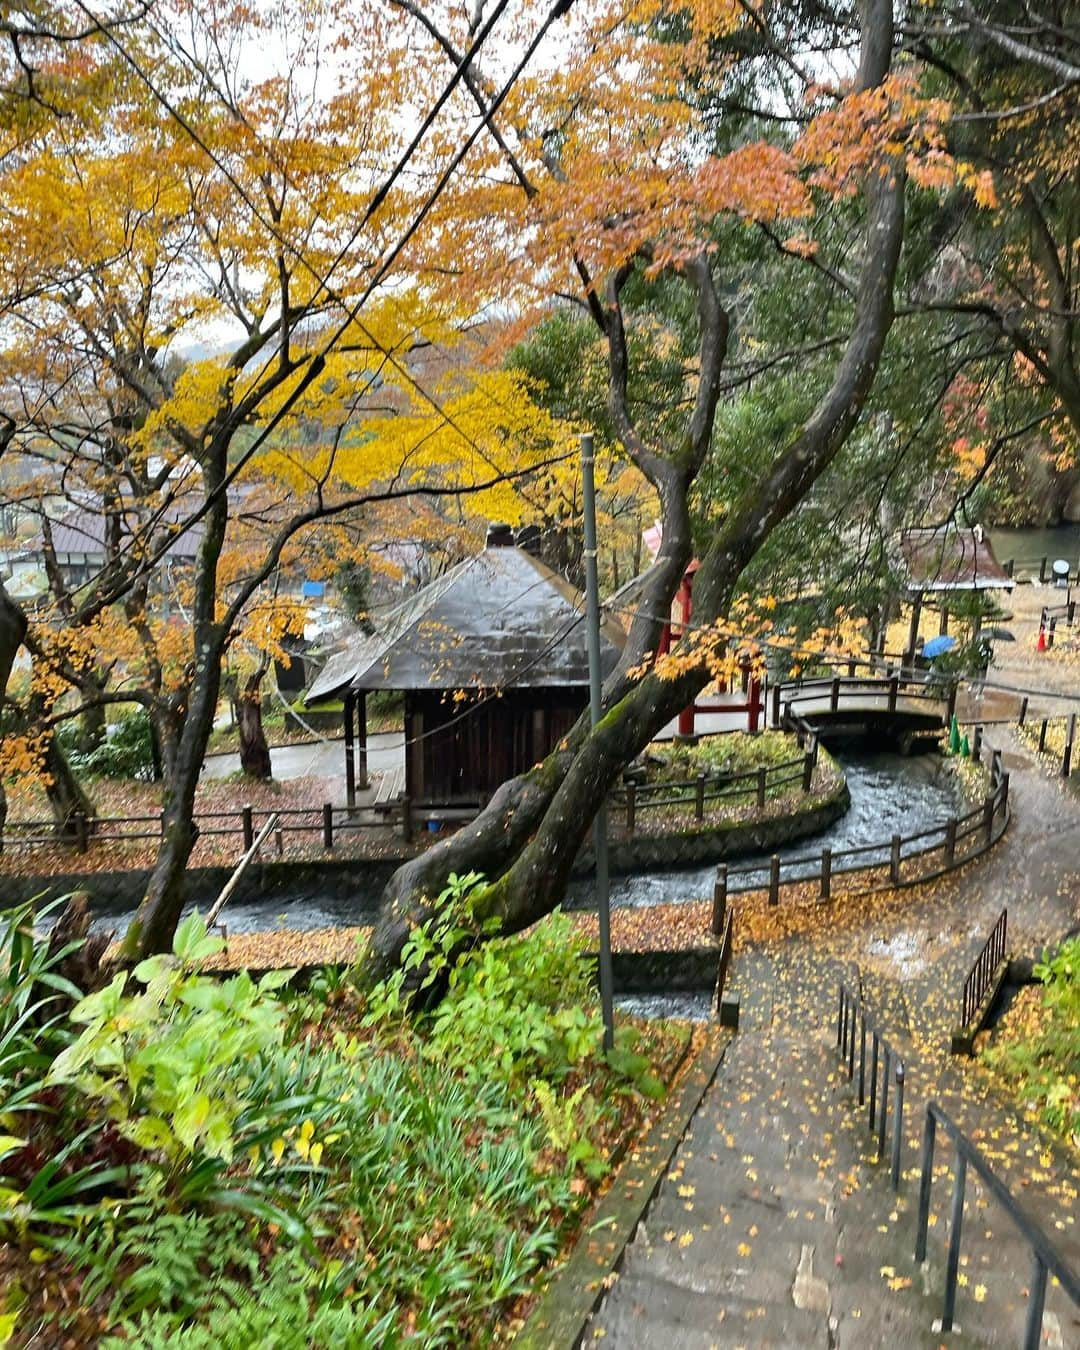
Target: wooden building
[[492, 660], [940, 562]]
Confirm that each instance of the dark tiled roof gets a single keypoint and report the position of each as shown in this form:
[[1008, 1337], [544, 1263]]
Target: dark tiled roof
[[83, 531], [500, 620], [945, 558]]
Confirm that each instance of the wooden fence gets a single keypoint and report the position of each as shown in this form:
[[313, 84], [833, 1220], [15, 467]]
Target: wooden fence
[[907, 859]]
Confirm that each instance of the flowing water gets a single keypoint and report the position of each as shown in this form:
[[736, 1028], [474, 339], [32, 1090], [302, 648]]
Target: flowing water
[[889, 794]]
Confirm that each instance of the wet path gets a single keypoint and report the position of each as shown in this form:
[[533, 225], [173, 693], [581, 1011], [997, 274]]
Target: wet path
[[776, 1226]]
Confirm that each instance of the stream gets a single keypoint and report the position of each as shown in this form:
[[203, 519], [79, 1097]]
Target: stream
[[889, 793]]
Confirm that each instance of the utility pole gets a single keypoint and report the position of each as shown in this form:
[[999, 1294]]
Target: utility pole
[[592, 623]]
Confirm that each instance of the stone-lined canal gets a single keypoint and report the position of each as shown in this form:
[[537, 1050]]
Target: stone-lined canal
[[889, 793]]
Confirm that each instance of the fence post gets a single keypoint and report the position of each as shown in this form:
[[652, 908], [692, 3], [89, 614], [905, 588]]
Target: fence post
[[719, 900], [82, 834], [894, 861], [1042, 571], [405, 803], [923, 1220], [328, 825], [894, 689], [807, 771], [279, 840], [1009, 567], [776, 705], [1070, 734], [1023, 710], [631, 806], [950, 841], [1050, 633], [699, 797], [950, 705], [897, 1126], [834, 695], [826, 874], [1042, 734], [774, 879], [247, 825], [952, 1264], [988, 818], [761, 780], [976, 745]]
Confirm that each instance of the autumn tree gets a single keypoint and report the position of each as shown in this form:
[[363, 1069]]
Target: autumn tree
[[200, 197], [613, 189]]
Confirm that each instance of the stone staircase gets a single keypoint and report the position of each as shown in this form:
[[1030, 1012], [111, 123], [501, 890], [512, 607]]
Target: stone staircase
[[776, 1225]]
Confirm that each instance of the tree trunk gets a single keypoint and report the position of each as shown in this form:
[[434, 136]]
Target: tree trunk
[[254, 751], [67, 799], [527, 839], [92, 727]]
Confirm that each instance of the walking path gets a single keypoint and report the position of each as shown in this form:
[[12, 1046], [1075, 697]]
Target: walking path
[[775, 1225]]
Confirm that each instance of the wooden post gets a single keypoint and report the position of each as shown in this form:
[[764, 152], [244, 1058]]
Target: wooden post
[[350, 759], [754, 704], [774, 879], [248, 826], [950, 706], [82, 833], [894, 861], [913, 630], [699, 797], [1023, 710], [279, 840], [976, 745], [761, 777], [988, 818], [950, 841], [327, 825], [719, 900], [826, 873], [361, 739], [631, 805], [1050, 633], [1042, 571], [1070, 736], [834, 695], [1009, 567], [405, 803], [776, 704], [894, 689], [807, 771], [1042, 734]]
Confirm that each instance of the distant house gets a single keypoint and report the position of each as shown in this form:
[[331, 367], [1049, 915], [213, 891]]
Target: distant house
[[493, 663], [941, 562]]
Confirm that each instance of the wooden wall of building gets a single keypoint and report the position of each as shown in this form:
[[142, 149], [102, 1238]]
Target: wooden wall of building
[[461, 752]]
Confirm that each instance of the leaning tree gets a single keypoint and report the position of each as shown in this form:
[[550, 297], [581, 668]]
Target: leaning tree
[[632, 174]]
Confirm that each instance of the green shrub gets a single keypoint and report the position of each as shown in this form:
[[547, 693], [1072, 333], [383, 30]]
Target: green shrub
[[126, 752]]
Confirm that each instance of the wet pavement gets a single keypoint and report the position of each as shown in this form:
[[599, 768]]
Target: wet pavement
[[776, 1226]]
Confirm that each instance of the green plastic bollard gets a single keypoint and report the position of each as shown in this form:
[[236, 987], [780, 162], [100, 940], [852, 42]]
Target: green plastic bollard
[[965, 749], [954, 736]]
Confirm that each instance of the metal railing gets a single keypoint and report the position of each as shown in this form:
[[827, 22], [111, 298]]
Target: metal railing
[[1046, 1260], [850, 1013], [725, 958], [981, 974]]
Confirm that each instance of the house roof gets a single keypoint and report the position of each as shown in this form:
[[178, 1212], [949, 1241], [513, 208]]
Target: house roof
[[502, 619], [947, 558], [81, 531]]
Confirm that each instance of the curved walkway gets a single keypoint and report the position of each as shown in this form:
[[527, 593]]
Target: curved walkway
[[775, 1226]]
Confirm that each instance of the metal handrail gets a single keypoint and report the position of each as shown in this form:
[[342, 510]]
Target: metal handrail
[[851, 1010], [1046, 1259], [981, 974], [726, 943]]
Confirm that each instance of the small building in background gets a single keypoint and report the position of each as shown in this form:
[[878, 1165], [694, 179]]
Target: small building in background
[[492, 660], [941, 563]]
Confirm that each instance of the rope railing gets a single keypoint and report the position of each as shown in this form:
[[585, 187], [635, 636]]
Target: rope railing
[[1046, 1259], [850, 1014]]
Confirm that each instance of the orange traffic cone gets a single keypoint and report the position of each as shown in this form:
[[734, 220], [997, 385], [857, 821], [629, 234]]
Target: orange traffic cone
[[1040, 646]]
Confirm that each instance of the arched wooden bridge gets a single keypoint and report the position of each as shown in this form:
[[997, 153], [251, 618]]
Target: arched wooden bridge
[[886, 705]]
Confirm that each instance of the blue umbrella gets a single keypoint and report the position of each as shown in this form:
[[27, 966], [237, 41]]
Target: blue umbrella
[[937, 645]]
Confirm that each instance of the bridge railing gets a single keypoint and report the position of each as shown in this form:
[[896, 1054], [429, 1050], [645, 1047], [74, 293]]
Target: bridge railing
[[1046, 1259], [831, 694]]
